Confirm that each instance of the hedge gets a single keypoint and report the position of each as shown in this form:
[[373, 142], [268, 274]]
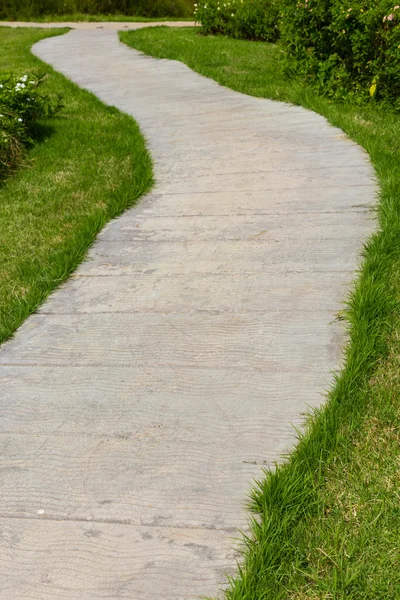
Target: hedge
[[348, 48], [31, 9]]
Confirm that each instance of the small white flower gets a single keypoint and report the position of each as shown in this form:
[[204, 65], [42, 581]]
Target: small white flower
[[19, 120]]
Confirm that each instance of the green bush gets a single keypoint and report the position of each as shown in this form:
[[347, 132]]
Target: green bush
[[349, 48], [241, 19], [21, 106], [162, 8], [31, 9]]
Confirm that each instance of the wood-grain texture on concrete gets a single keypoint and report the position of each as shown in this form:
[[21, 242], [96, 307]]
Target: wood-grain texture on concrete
[[148, 392]]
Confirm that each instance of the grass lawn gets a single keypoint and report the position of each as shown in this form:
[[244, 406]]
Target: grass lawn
[[330, 516], [89, 165]]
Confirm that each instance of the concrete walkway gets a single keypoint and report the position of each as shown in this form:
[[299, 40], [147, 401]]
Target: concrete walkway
[[143, 398]]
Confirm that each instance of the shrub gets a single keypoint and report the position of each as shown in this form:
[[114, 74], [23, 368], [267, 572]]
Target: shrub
[[162, 8], [349, 48], [241, 19], [21, 106], [31, 9]]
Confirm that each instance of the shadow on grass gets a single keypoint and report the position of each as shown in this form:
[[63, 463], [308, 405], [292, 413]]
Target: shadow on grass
[[39, 133]]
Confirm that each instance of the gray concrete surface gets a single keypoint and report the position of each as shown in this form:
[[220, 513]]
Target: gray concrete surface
[[144, 397]]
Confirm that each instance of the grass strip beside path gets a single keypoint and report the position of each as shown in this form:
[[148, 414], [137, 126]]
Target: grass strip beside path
[[330, 525], [89, 165]]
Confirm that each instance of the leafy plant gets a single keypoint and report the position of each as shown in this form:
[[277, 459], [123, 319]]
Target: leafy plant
[[348, 48], [241, 19], [21, 106]]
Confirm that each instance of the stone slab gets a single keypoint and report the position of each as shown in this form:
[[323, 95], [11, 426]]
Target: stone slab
[[237, 293], [41, 559], [241, 341]]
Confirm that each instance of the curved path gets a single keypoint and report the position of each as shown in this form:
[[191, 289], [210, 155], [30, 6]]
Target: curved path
[[149, 391]]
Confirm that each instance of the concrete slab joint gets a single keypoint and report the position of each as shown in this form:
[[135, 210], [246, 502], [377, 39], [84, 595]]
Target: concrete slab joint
[[143, 398]]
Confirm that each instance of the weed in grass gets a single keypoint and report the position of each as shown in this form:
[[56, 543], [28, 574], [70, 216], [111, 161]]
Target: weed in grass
[[330, 515]]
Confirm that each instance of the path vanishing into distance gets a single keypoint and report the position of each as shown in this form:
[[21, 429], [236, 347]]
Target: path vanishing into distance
[[144, 397]]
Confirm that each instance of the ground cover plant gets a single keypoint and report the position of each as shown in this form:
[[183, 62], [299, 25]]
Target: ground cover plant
[[83, 9], [329, 518], [88, 165]]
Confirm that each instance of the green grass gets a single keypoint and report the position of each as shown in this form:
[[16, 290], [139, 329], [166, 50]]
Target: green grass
[[89, 165], [100, 18], [330, 515]]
